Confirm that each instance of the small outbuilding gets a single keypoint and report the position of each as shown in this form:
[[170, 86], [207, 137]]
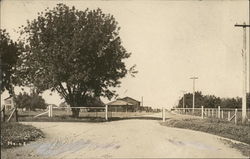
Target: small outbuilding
[[9, 103]]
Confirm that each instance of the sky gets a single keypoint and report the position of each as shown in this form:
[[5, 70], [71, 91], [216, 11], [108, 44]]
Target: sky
[[170, 42]]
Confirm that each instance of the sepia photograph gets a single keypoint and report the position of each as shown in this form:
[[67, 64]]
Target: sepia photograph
[[111, 79]]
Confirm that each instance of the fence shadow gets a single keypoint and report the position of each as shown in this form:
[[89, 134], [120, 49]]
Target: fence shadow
[[136, 117], [84, 119]]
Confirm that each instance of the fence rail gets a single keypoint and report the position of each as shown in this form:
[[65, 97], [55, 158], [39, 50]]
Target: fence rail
[[12, 113], [61, 113], [221, 113], [56, 111]]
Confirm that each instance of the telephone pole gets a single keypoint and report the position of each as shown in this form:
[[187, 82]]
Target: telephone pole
[[244, 56], [193, 78]]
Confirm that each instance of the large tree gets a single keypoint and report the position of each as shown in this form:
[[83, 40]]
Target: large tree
[[77, 53], [9, 52], [189, 100]]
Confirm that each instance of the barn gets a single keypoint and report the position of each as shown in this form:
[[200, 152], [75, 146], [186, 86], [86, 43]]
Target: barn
[[136, 103], [124, 104]]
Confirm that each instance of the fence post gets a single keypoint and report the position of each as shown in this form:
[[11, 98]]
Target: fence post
[[49, 110], [110, 112], [222, 114], [4, 113], [235, 116], [164, 114], [106, 112], [16, 114], [219, 112], [202, 112], [228, 115]]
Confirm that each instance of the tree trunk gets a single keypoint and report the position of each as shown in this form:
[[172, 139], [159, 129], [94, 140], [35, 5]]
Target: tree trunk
[[75, 112]]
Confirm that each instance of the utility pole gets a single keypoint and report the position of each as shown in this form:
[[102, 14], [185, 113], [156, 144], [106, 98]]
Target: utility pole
[[244, 56], [142, 101], [193, 78]]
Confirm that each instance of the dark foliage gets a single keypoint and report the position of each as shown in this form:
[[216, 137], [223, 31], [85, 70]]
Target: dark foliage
[[9, 52], [211, 101], [30, 102]]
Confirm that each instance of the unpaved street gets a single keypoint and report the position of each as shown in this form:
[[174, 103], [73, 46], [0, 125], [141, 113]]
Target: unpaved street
[[125, 138]]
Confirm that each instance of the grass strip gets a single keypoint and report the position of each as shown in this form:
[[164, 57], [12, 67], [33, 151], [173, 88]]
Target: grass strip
[[16, 134], [217, 127]]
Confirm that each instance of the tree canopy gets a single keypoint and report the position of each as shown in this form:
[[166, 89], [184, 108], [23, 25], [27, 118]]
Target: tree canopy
[[211, 101], [9, 52], [31, 102], [76, 53]]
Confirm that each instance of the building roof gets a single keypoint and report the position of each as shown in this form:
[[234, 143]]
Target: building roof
[[130, 99], [119, 102], [8, 98]]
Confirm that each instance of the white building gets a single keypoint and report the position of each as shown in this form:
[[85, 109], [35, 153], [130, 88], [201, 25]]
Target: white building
[[9, 103]]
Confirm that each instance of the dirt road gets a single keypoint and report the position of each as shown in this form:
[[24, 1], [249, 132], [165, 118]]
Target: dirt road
[[121, 139]]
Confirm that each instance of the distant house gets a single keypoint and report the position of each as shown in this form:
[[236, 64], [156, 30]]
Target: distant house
[[9, 103], [133, 101], [124, 104]]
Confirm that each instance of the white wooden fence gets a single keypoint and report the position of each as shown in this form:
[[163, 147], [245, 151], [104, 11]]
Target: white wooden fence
[[220, 113], [50, 108], [12, 111], [163, 114]]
